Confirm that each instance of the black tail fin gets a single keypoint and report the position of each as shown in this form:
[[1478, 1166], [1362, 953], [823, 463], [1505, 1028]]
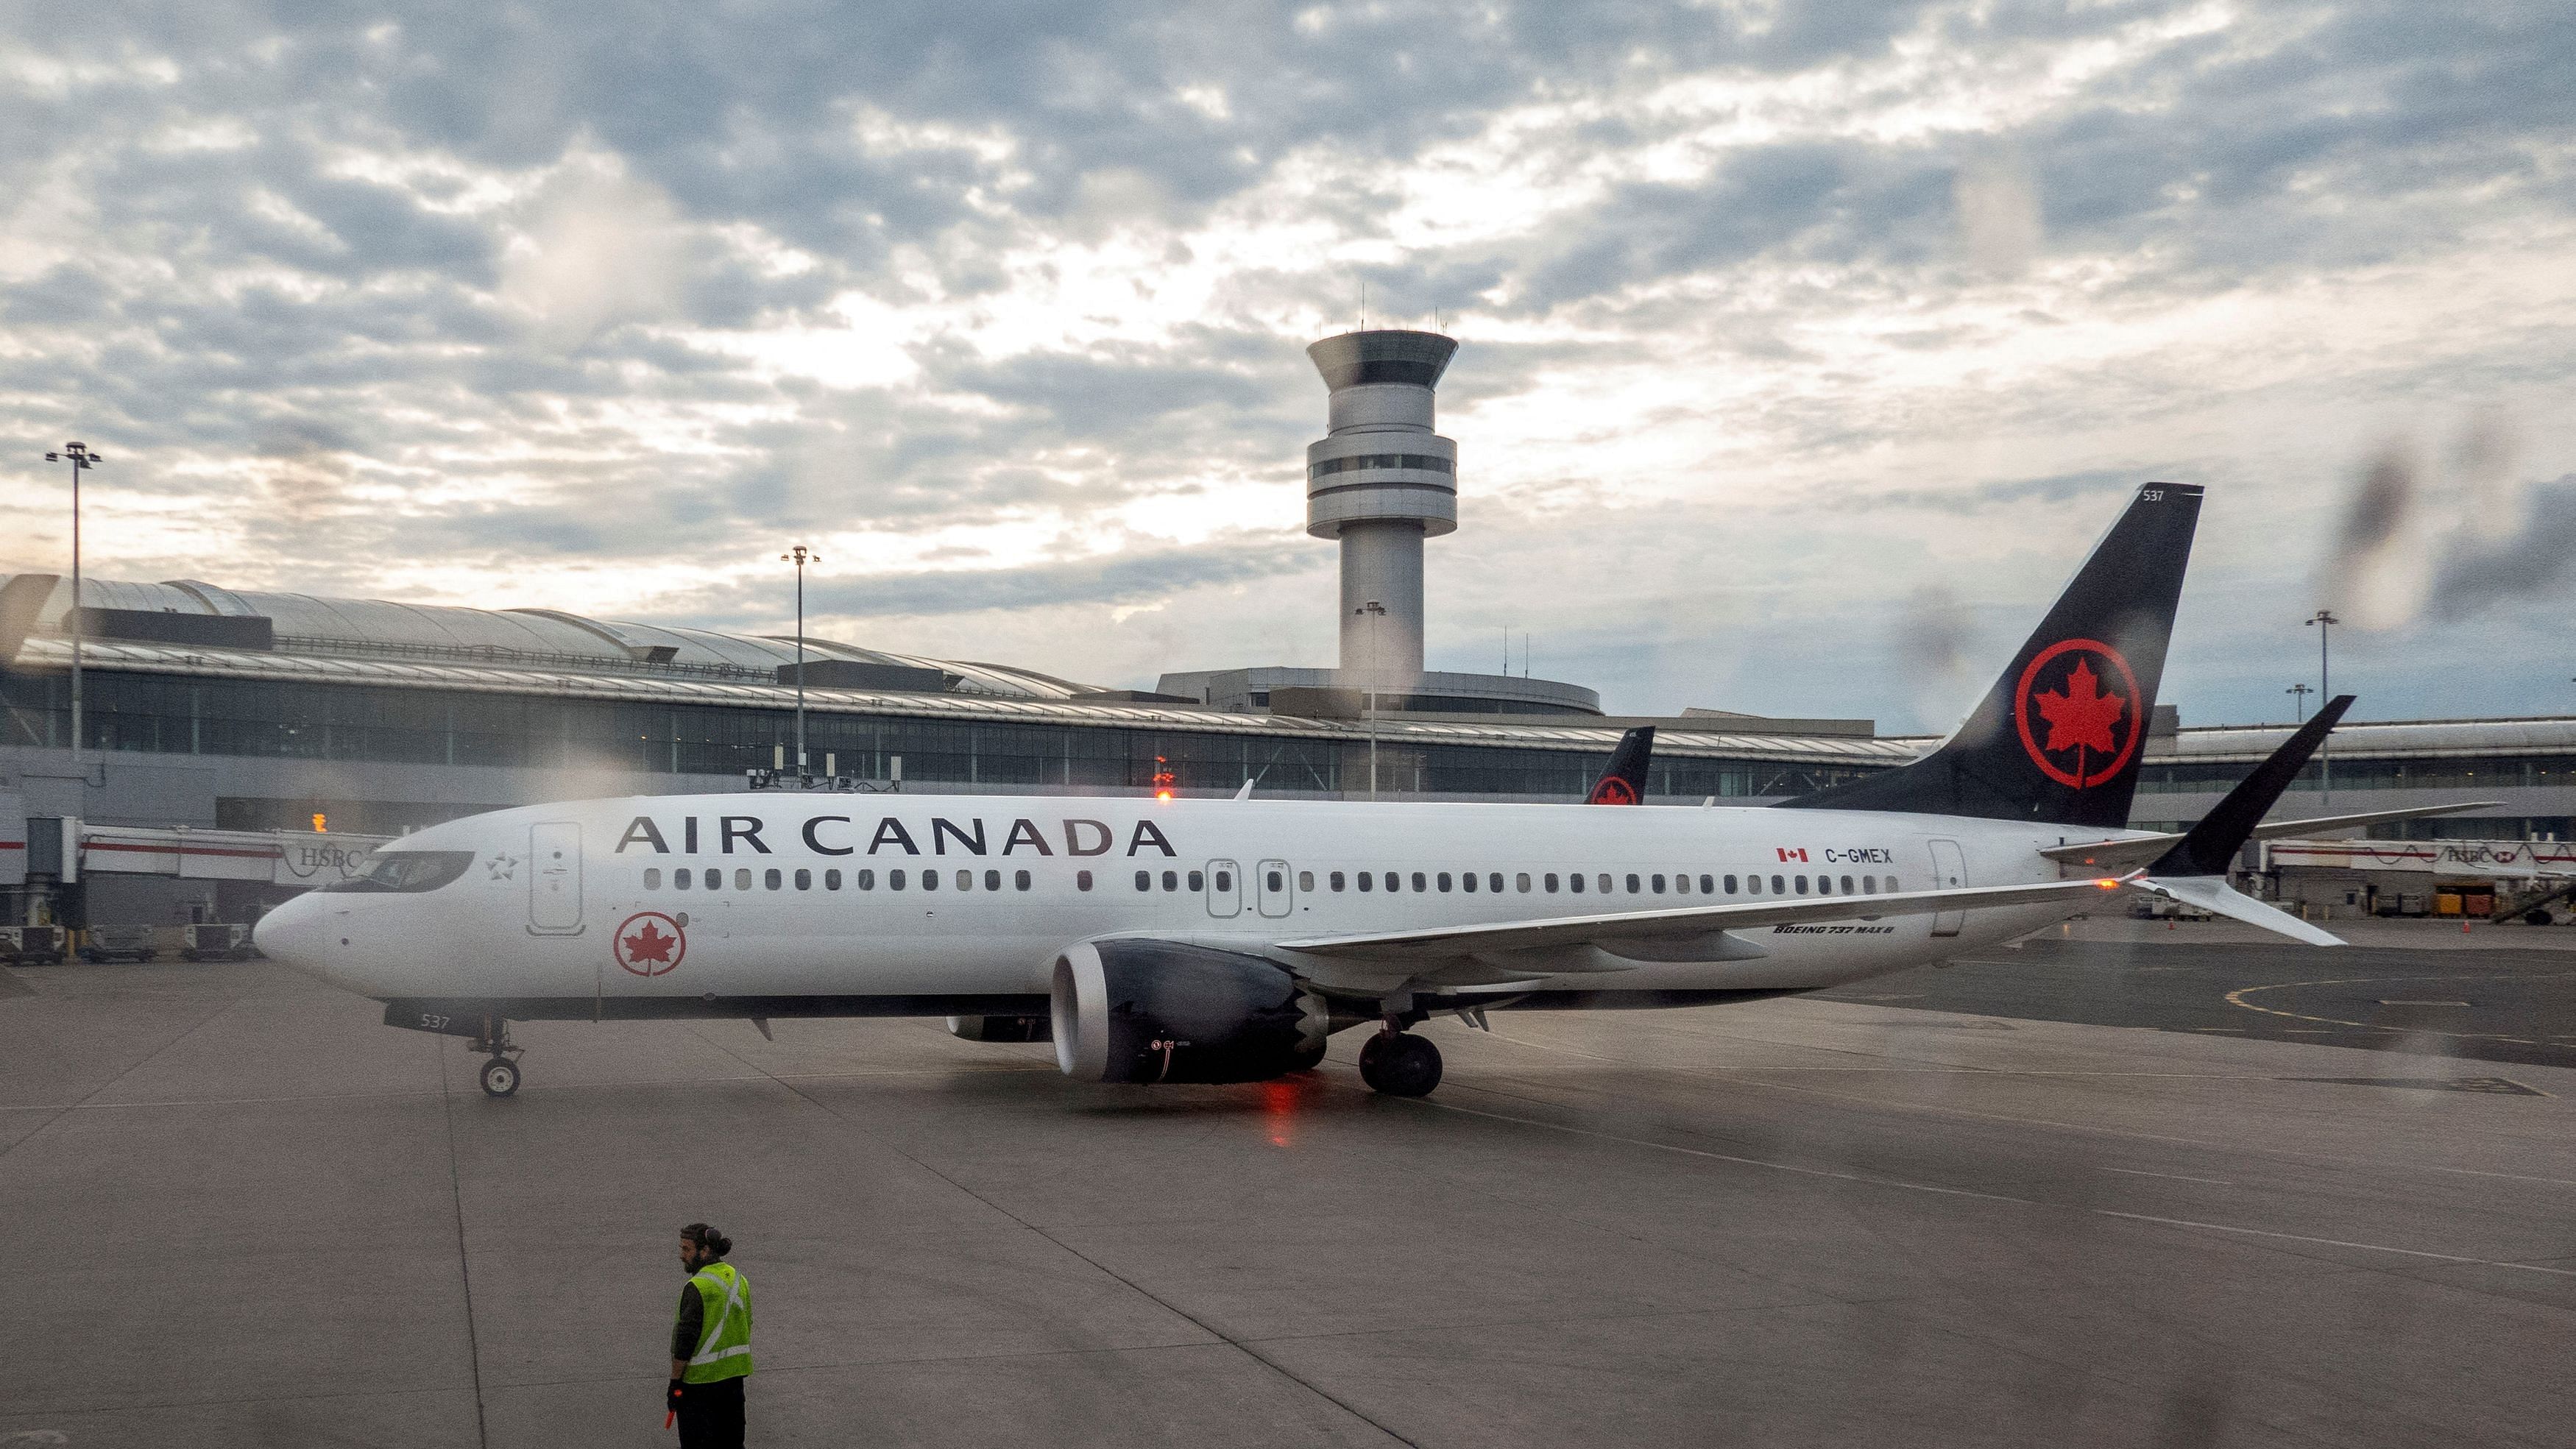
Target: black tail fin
[[2058, 737], [2223, 831], [1624, 783]]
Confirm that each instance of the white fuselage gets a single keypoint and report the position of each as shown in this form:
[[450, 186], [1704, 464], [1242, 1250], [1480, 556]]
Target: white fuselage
[[577, 909]]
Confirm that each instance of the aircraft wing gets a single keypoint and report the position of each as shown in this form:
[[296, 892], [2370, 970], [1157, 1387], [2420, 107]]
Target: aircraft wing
[[2140, 849], [1440, 941]]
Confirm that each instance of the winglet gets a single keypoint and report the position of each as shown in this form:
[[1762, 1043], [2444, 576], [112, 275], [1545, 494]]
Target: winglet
[[2209, 846]]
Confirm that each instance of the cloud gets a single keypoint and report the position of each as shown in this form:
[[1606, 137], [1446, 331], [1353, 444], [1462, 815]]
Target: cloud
[[1796, 310]]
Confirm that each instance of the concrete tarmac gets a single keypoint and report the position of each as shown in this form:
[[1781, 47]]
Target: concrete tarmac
[[245, 1213]]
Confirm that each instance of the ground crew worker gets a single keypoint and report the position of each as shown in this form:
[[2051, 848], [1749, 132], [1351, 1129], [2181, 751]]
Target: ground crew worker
[[710, 1344]]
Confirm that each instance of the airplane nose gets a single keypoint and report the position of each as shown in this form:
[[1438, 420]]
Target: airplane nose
[[292, 935]]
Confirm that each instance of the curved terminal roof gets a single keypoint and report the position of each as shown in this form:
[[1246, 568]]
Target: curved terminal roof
[[309, 624]]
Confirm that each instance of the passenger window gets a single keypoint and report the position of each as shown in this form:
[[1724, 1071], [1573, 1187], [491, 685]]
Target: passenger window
[[1869, 885], [1365, 878], [1144, 880], [894, 880], [1681, 885], [1824, 885], [1224, 880], [1276, 881], [1779, 887], [1335, 880], [681, 879], [771, 879], [1494, 881], [1657, 882], [1574, 883], [992, 880], [1418, 886], [1171, 880], [1802, 885], [1306, 880], [930, 880], [742, 880], [1847, 890], [966, 880], [1708, 887], [1444, 883], [1892, 886], [1730, 885], [831, 880], [1082, 880], [1395, 882], [804, 880], [865, 880], [1520, 882], [1198, 881], [1467, 881], [652, 880], [1549, 881], [1019, 880]]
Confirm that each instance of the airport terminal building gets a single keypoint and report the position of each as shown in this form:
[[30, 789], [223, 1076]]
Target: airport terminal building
[[217, 709]]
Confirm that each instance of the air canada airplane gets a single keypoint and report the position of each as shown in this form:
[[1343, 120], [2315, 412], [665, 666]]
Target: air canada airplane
[[1223, 940]]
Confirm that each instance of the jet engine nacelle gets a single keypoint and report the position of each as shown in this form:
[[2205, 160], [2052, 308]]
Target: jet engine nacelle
[[1161, 1011]]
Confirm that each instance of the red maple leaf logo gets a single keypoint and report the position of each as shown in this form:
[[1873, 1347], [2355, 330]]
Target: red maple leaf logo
[[2082, 714], [649, 944]]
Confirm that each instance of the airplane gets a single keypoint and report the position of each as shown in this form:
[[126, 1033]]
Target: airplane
[[1225, 940]]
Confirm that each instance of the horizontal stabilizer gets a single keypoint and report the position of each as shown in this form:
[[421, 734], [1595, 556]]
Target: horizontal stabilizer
[[2139, 849], [2213, 894]]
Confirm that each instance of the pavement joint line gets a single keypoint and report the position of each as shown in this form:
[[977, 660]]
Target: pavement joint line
[[2334, 1242], [2176, 1176], [464, 1268], [755, 1075], [139, 1064], [1878, 1181], [1215, 1334], [2096, 1129]]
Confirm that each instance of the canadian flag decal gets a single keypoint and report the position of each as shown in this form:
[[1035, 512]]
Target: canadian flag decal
[[1791, 852]]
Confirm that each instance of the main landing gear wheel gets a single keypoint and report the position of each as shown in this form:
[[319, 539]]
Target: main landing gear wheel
[[1400, 1064], [500, 1077]]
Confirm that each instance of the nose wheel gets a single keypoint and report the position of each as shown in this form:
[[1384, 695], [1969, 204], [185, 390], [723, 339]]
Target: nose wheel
[[500, 1075], [1400, 1064]]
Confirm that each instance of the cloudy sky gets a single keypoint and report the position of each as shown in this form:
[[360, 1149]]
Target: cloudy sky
[[1806, 345]]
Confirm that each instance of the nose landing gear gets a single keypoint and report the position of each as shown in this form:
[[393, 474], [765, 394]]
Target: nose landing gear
[[1400, 1064], [500, 1075]]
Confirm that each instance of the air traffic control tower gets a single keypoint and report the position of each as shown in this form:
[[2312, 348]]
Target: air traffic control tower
[[1379, 482]]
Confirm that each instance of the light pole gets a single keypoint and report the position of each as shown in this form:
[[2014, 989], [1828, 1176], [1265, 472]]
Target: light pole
[[2298, 702], [2325, 621], [800, 556], [1375, 611], [82, 460]]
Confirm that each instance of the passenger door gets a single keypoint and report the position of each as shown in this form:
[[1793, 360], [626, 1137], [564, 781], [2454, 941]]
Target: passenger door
[[1949, 873], [1274, 888], [1224, 889], [554, 878]]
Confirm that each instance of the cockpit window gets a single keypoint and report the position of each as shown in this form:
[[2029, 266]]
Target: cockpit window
[[407, 872]]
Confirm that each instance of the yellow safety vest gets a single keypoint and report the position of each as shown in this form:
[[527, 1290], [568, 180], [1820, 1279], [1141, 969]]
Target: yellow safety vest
[[724, 1333]]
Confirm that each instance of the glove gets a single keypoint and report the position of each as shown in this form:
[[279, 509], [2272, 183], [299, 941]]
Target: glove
[[672, 1398]]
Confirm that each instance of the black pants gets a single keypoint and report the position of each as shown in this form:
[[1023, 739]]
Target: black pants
[[711, 1415]]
